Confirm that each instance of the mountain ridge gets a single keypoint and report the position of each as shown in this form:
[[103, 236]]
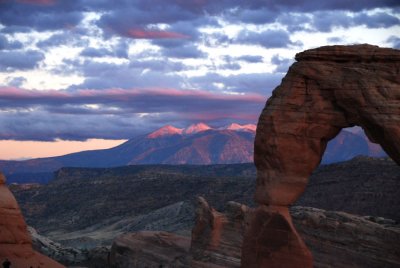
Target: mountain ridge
[[197, 144]]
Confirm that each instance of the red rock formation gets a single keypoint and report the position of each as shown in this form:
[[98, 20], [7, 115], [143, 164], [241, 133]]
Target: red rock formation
[[328, 89], [15, 242], [217, 237]]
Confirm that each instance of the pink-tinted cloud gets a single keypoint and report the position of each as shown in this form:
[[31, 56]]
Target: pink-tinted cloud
[[92, 95], [116, 113], [138, 33]]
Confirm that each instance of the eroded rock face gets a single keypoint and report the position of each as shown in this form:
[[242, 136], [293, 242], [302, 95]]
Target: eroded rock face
[[217, 237], [15, 241], [339, 239], [336, 239], [328, 89]]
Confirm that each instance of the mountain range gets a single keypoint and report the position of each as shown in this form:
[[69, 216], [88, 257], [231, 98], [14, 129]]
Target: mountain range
[[197, 144]]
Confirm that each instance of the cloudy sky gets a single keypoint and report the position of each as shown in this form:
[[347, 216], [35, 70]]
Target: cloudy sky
[[87, 71]]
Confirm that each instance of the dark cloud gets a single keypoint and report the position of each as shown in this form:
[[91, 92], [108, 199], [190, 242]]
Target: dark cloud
[[161, 65], [20, 60], [295, 21], [121, 49], [326, 21], [183, 52], [110, 108], [217, 40], [251, 58], [58, 15], [45, 126], [267, 38], [119, 52], [126, 75], [62, 39], [377, 20], [316, 5], [260, 83], [262, 15], [15, 81], [394, 41], [230, 64], [95, 52], [121, 16], [113, 113], [282, 64], [335, 40], [16, 29], [131, 20], [5, 44], [188, 33]]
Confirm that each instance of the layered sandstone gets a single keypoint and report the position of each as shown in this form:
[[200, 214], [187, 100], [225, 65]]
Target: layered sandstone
[[328, 89], [339, 239], [336, 239], [217, 237], [15, 241]]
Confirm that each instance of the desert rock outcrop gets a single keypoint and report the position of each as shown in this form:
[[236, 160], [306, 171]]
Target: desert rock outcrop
[[336, 239], [327, 89], [15, 241], [150, 249], [217, 237]]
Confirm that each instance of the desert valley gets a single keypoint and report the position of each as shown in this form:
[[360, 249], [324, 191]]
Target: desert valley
[[199, 134]]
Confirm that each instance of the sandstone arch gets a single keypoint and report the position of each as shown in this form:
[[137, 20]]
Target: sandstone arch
[[327, 89]]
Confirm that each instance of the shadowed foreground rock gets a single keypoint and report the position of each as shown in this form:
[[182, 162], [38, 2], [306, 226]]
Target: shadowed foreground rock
[[336, 239], [150, 249], [217, 237], [339, 239], [328, 89], [15, 242]]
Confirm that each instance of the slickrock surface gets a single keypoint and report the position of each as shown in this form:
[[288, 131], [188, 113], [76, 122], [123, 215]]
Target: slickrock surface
[[339, 239], [150, 249], [15, 242], [328, 89], [56, 251], [336, 239]]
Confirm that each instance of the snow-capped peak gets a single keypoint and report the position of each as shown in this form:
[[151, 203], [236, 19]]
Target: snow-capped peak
[[196, 128], [165, 131], [237, 127]]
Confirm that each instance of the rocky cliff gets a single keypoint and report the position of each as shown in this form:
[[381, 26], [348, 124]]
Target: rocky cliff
[[15, 241]]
